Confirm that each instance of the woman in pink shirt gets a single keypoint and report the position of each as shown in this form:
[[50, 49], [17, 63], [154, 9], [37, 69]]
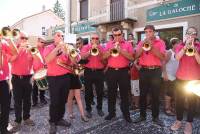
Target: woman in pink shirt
[[188, 70]]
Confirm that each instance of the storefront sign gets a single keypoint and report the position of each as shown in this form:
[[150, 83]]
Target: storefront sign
[[83, 27], [176, 9]]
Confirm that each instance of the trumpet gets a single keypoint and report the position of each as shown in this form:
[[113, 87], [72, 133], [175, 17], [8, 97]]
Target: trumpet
[[34, 50], [7, 33], [94, 51], [146, 46], [115, 51], [190, 50]]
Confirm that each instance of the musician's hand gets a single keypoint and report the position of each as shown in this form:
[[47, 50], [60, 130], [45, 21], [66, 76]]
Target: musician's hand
[[58, 49]]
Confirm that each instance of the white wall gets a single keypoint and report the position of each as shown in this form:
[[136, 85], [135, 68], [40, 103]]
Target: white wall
[[33, 25]]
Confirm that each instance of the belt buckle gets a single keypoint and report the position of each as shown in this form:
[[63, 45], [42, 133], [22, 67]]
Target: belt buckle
[[152, 67], [116, 69], [21, 77]]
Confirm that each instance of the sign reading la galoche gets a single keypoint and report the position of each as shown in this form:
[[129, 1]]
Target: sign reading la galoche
[[176, 9]]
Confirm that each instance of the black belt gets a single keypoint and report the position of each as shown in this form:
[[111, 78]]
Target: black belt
[[151, 67], [93, 69], [21, 76], [124, 68]]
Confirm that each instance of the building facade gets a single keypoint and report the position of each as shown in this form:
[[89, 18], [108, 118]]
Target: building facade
[[37, 24], [170, 17]]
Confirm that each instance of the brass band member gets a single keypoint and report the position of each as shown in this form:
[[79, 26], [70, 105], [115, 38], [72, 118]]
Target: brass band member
[[118, 53], [93, 74], [6, 50], [188, 70], [22, 68], [150, 52], [58, 80], [40, 47]]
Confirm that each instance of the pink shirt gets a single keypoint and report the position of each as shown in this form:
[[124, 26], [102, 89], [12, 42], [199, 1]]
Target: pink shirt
[[4, 70], [148, 58], [95, 62], [39, 64], [188, 68], [119, 61], [23, 64], [53, 69]]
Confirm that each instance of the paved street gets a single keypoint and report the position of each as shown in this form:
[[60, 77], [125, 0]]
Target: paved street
[[98, 125]]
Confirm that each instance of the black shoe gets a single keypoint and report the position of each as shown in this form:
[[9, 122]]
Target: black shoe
[[88, 114], [128, 119], [110, 116], [64, 123], [100, 113], [53, 128], [157, 121], [139, 119]]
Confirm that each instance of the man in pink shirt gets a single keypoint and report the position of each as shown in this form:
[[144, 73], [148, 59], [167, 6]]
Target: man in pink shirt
[[117, 73], [40, 46], [188, 70], [150, 58], [5, 51], [22, 69], [57, 59], [93, 74]]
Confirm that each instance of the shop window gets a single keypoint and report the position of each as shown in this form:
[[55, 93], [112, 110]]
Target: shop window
[[165, 34]]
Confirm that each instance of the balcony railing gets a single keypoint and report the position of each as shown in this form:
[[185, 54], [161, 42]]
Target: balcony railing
[[116, 10]]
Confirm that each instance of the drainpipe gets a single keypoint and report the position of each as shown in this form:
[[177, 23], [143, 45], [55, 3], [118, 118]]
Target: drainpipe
[[68, 17]]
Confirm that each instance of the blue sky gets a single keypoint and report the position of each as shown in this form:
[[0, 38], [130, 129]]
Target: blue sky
[[12, 11]]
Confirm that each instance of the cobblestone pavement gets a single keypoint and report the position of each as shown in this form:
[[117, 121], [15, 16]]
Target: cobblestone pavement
[[98, 125]]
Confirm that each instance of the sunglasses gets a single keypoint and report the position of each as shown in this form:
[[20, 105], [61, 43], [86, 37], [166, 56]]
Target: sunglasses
[[117, 35], [191, 33], [24, 38], [60, 35], [95, 38]]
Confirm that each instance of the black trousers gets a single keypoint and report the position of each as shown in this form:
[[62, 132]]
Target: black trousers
[[22, 89], [58, 89], [150, 81], [95, 77], [4, 102], [114, 79], [181, 96], [35, 94]]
